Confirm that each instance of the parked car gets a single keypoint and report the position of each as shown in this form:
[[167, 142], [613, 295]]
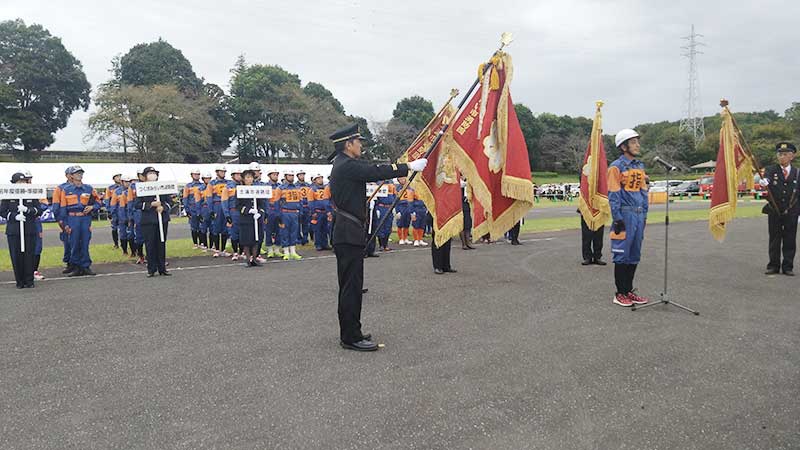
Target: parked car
[[687, 187]]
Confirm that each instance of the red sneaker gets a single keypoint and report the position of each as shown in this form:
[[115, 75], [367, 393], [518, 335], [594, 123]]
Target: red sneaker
[[622, 300], [638, 300]]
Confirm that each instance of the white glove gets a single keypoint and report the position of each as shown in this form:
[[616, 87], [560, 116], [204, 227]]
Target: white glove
[[377, 214], [397, 216], [20, 217], [418, 165], [763, 182], [22, 208], [256, 215], [253, 211]]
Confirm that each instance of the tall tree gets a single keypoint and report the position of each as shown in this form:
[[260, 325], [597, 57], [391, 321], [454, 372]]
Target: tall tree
[[41, 85], [157, 63], [531, 130], [415, 111], [320, 92]]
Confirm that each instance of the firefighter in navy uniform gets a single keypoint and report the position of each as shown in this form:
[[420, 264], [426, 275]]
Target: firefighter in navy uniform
[[782, 183], [24, 213], [349, 177]]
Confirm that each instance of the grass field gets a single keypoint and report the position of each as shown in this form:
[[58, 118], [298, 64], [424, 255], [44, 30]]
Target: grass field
[[182, 248]]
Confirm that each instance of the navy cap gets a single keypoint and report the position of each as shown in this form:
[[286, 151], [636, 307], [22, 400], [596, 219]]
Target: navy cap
[[74, 169], [149, 169], [17, 176], [786, 147], [347, 133]]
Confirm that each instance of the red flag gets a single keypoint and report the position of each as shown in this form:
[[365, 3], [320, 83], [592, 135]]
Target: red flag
[[439, 185], [734, 165], [594, 205], [490, 149]]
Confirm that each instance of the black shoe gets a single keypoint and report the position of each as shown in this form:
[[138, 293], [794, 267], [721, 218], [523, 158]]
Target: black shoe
[[88, 271], [586, 262], [438, 271], [165, 273], [788, 272], [771, 272], [600, 262], [78, 272], [255, 263], [515, 242], [29, 285], [373, 255], [20, 286], [360, 346], [450, 270], [366, 337], [69, 269]]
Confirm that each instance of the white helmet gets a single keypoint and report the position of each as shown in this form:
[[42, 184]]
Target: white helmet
[[236, 169], [195, 170], [220, 167], [316, 176], [130, 177], [624, 135], [254, 166], [27, 174], [207, 174]]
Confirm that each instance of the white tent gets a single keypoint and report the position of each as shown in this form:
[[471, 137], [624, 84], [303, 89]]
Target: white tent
[[98, 175]]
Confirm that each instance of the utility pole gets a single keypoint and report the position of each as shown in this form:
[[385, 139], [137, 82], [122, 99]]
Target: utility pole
[[692, 122]]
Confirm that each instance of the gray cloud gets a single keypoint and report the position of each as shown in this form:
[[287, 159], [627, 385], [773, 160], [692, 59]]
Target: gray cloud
[[567, 54]]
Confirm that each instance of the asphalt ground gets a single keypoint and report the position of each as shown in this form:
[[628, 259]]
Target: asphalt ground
[[521, 349], [180, 230]]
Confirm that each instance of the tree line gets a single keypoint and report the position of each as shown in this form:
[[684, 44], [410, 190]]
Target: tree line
[[155, 108]]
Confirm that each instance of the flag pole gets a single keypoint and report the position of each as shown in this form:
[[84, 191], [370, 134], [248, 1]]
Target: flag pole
[[756, 165], [505, 39]]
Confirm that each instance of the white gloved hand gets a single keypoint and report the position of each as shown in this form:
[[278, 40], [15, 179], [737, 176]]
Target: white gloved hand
[[418, 165], [763, 182], [377, 214], [22, 208], [256, 215], [20, 217], [253, 211], [397, 216]]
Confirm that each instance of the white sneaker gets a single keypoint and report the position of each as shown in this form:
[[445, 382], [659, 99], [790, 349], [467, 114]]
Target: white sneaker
[[235, 257], [423, 243], [196, 246], [38, 276], [215, 255], [416, 243], [226, 254], [260, 260]]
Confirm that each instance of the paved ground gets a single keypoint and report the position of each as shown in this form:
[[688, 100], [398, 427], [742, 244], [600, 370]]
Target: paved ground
[[180, 230], [521, 349]]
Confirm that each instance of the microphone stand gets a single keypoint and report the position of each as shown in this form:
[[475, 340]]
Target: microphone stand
[[665, 300]]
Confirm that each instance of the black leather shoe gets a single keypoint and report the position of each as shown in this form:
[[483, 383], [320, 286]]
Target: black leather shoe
[[88, 271], [516, 242], [771, 272], [366, 337], [363, 345], [586, 262], [600, 262], [788, 272], [29, 285], [78, 272], [451, 270], [151, 274], [438, 271], [165, 273], [69, 269]]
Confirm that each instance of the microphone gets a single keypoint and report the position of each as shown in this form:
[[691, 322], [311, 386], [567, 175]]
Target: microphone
[[668, 166]]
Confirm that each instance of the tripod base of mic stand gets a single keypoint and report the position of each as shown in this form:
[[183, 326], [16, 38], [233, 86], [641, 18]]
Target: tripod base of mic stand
[[665, 301]]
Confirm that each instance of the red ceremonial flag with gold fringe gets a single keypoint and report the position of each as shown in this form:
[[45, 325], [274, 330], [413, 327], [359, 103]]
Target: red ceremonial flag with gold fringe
[[594, 205], [734, 165], [490, 150], [439, 185]]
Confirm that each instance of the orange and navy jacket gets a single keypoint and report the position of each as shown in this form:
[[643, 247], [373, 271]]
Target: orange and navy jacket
[[306, 195], [119, 202], [191, 195], [389, 199], [288, 197], [407, 197], [217, 196], [627, 186], [55, 208], [74, 199], [231, 205]]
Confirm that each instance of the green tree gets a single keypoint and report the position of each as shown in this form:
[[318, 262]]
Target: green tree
[[156, 63], [415, 111], [41, 85], [532, 130], [320, 92]]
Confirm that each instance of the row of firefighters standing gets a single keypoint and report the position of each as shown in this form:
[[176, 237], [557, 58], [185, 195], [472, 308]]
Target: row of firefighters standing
[[298, 213]]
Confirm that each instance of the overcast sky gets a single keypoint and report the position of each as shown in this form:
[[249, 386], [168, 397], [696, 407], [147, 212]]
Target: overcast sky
[[371, 53]]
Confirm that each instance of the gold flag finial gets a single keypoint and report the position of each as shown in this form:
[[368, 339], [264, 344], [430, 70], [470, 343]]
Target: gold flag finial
[[453, 93], [506, 39], [723, 103], [599, 104]]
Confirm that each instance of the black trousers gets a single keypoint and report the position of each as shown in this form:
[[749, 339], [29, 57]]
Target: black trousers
[[156, 250], [782, 236], [22, 262], [591, 241], [350, 270], [623, 277], [513, 233], [440, 255]]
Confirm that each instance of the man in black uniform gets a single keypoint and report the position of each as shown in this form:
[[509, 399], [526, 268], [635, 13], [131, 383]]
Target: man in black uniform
[[782, 184], [24, 213], [349, 177]]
